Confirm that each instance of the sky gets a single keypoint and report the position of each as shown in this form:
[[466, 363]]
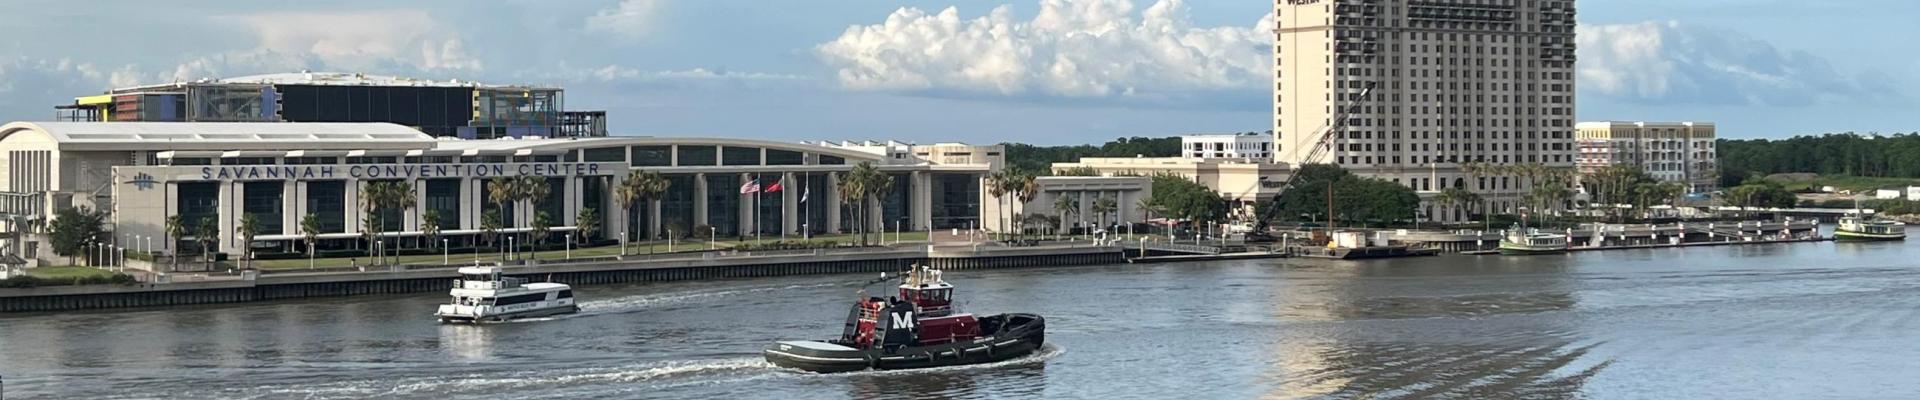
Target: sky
[[1027, 71]]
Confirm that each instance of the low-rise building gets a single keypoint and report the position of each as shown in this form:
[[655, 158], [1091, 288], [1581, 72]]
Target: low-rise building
[[1669, 151], [1126, 193], [1243, 183], [146, 173], [1248, 146]]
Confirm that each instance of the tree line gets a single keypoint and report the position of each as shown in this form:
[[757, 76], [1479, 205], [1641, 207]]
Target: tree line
[[1873, 155], [1028, 157]]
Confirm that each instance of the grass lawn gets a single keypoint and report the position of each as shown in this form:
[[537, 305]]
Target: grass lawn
[[658, 246], [68, 273]]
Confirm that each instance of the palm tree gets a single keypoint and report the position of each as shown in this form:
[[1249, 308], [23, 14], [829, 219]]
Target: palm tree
[[1105, 206], [248, 229], [865, 183], [1147, 207], [207, 232], [372, 196], [310, 233], [504, 193], [1027, 187], [1065, 205], [542, 228], [997, 186], [397, 196], [586, 224], [1457, 197], [649, 187], [625, 195], [490, 228], [176, 230], [534, 190], [430, 227]]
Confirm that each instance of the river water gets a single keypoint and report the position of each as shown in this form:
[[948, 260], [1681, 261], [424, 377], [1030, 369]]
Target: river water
[[1811, 320]]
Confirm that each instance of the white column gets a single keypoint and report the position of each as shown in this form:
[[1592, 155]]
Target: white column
[[229, 215], [471, 200], [833, 201], [747, 214], [699, 198], [351, 209], [922, 205], [789, 202], [291, 208]]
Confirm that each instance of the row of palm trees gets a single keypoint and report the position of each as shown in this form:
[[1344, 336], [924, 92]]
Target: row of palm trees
[[507, 193], [864, 184], [1015, 188], [640, 188]]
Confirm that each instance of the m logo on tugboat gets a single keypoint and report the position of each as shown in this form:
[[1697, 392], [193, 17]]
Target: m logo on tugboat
[[903, 320]]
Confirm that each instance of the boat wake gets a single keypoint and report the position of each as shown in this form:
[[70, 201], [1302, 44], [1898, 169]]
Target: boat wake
[[500, 382], [633, 303]]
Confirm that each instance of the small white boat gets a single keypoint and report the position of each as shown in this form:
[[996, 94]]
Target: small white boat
[[482, 295]]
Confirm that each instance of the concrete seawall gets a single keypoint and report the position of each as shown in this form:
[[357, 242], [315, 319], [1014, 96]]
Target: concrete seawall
[[302, 285]]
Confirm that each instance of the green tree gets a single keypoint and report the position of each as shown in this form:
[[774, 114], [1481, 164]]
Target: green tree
[[865, 184], [73, 228], [1026, 188], [1028, 157], [1066, 205], [430, 227], [1185, 199], [490, 228], [1083, 170], [176, 231], [1458, 198], [542, 229], [1105, 206], [310, 233], [997, 184], [586, 224], [1305, 199], [207, 232], [248, 229]]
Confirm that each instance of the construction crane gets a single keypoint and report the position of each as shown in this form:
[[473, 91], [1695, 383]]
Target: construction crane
[[1323, 144]]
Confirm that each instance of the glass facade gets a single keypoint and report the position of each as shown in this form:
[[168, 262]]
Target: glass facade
[[698, 155], [436, 111], [198, 201], [443, 198], [740, 156], [813, 202], [723, 203], [652, 156], [894, 209], [767, 219], [785, 157], [606, 154], [263, 201], [327, 201], [956, 201], [676, 207], [593, 192]]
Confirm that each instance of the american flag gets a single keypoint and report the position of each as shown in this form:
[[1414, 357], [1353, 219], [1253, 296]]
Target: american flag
[[751, 187]]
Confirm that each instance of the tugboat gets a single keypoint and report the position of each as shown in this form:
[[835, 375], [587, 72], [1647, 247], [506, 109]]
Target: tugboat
[[482, 295], [918, 329], [1858, 227], [1530, 241]]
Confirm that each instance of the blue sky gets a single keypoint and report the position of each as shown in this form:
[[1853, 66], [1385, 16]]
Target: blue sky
[[1034, 71]]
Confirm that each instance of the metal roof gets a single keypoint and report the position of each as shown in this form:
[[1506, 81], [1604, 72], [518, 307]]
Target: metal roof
[[352, 79], [224, 135]]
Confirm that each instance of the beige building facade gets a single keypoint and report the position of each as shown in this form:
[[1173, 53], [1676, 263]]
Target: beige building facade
[[1422, 88], [1240, 182], [1681, 152]]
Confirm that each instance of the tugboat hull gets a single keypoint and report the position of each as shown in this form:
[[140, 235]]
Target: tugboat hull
[[1020, 336], [1848, 236]]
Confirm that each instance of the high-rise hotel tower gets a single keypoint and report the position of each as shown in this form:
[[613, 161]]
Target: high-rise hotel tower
[[1425, 87]]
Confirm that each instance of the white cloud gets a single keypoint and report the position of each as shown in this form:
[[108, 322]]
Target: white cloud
[[631, 19], [362, 40], [1075, 48], [1672, 63]]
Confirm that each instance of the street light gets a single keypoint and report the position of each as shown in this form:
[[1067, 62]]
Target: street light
[[445, 256], [569, 246], [516, 249]]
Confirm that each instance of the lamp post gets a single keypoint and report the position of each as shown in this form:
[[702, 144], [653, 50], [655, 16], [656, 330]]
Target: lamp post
[[569, 246], [516, 249], [446, 255]]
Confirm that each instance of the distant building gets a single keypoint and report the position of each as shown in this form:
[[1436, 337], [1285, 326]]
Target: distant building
[[1423, 88], [450, 108], [1913, 193], [1241, 183], [1126, 192], [1251, 146], [1669, 151]]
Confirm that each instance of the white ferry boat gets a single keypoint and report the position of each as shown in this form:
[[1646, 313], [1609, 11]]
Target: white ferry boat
[[1859, 227], [482, 295]]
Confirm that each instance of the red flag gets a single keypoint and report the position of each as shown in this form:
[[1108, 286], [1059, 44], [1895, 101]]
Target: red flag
[[775, 187]]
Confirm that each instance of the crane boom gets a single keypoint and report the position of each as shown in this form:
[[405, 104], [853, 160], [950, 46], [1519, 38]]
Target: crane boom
[[1323, 144]]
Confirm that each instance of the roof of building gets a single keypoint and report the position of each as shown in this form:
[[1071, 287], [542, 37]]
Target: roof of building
[[351, 79], [249, 135]]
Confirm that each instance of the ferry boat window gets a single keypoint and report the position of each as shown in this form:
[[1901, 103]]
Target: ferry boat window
[[566, 294], [476, 277], [520, 299]]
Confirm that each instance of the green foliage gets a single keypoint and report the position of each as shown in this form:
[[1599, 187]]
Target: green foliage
[[73, 227], [1077, 171], [30, 281], [1041, 158], [588, 223], [1870, 155], [788, 245], [1185, 199], [490, 226], [1761, 195], [1356, 199]]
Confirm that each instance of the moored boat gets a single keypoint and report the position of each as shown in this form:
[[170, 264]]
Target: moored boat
[[483, 295], [1530, 241], [918, 329], [1858, 227]]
